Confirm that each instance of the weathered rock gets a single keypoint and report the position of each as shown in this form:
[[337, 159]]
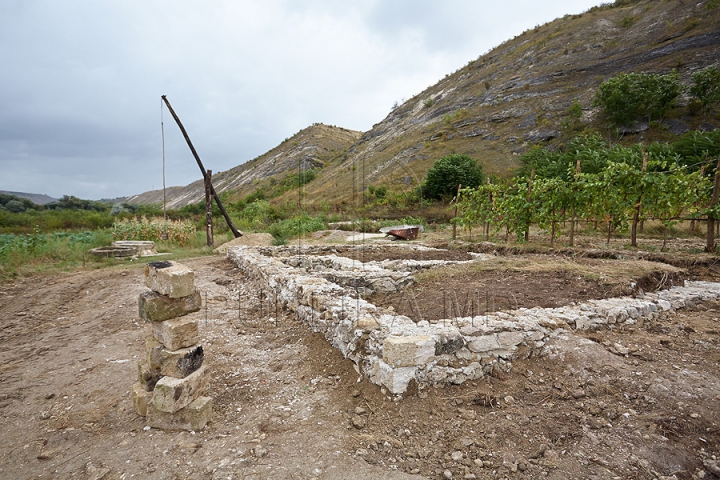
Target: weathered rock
[[485, 343], [396, 380], [171, 394], [510, 339], [170, 278], [176, 333], [193, 417], [141, 399], [449, 343], [147, 377], [408, 351], [175, 363], [154, 307]]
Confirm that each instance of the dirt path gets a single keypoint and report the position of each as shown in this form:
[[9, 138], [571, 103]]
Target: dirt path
[[287, 405]]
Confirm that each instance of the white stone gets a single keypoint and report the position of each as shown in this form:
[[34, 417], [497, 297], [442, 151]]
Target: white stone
[[485, 343], [396, 380], [408, 351], [170, 278], [510, 339]]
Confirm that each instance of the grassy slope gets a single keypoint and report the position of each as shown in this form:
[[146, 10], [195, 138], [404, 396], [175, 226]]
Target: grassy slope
[[519, 93], [493, 109]]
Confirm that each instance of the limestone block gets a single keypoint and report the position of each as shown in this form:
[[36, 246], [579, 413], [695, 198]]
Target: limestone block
[[175, 363], [171, 394], [194, 417], [510, 339], [176, 333], [141, 399], [396, 380], [485, 343], [408, 351], [155, 307], [147, 377], [170, 278], [665, 305], [367, 322]]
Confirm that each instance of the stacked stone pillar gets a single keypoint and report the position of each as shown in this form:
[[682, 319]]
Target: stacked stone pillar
[[172, 380]]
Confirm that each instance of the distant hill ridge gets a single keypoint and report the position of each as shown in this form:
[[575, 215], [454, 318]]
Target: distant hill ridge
[[310, 148], [494, 108], [36, 198]]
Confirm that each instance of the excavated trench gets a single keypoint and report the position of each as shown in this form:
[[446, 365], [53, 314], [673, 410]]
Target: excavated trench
[[448, 333]]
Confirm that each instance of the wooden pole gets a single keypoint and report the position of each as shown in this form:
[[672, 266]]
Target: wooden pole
[[235, 231], [572, 212], [457, 199], [208, 209], [710, 246], [529, 197], [638, 204]]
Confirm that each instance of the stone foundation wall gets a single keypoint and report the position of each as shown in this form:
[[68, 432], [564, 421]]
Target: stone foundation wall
[[393, 350]]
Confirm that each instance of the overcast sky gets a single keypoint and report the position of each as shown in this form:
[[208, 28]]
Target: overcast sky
[[80, 81]]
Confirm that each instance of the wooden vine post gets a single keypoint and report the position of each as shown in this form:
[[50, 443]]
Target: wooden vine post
[[457, 200], [710, 246], [529, 198], [638, 204], [208, 209], [572, 210]]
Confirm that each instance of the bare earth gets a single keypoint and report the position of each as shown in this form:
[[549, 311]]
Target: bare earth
[[287, 405]]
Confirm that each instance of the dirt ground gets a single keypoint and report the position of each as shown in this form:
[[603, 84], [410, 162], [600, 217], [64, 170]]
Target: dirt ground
[[637, 402]]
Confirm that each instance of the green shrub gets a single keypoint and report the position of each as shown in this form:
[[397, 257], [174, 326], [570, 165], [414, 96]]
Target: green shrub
[[450, 171], [629, 96], [282, 230], [706, 87]]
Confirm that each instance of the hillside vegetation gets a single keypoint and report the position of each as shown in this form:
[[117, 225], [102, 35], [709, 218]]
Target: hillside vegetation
[[535, 89]]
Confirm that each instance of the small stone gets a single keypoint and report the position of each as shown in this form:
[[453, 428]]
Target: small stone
[[447, 474], [147, 377], [260, 451], [359, 422], [621, 349], [355, 393], [188, 447], [141, 399], [360, 410], [456, 456], [578, 394]]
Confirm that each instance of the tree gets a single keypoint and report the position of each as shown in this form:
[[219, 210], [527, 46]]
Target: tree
[[629, 96], [706, 87], [450, 171]]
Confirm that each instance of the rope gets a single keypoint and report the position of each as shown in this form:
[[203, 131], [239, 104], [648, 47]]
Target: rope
[[162, 133]]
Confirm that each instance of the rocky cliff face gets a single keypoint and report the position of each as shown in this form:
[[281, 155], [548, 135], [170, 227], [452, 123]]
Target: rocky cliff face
[[500, 104], [518, 94]]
